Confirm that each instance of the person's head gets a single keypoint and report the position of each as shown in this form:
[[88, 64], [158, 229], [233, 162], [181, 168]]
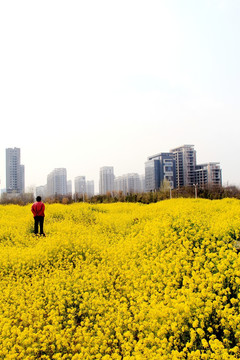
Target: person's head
[[38, 198]]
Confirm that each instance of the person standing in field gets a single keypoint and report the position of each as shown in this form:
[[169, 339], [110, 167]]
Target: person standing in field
[[38, 212]]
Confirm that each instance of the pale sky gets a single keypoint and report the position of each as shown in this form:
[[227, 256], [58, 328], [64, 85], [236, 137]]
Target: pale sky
[[85, 84]]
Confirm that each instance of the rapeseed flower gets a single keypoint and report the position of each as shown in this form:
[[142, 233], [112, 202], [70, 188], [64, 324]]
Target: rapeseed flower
[[121, 281]]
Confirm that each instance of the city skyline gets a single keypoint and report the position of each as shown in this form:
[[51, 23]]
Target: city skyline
[[95, 177], [178, 166], [106, 83]]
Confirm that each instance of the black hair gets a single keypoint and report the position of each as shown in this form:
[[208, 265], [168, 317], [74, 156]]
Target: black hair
[[38, 198]]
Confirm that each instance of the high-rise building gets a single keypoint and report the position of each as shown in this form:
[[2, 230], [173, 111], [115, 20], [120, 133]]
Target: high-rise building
[[69, 187], [41, 191], [133, 183], [208, 174], [142, 183], [118, 184], [90, 188], [15, 174], [80, 185], [57, 182], [22, 178], [159, 168], [152, 175], [180, 169], [128, 183], [185, 160], [106, 182]]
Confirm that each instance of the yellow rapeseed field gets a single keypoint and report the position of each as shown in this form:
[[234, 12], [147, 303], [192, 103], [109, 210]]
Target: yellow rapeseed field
[[121, 281]]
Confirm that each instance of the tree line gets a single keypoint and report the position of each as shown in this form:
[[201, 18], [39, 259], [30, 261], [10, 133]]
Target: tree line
[[212, 193]]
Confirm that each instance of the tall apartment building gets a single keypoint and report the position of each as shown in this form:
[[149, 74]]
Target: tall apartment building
[[57, 182], [106, 181], [128, 183], [69, 187], [22, 178], [185, 160], [158, 168], [209, 174], [152, 175], [118, 184], [15, 172], [142, 183], [41, 191], [80, 185], [90, 188]]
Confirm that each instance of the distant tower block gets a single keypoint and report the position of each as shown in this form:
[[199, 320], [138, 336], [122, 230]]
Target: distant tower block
[[15, 172]]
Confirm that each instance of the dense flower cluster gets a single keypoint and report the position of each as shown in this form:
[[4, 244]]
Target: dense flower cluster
[[121, 281]]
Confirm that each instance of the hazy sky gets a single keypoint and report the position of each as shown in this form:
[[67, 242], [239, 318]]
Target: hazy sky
[[85, 84]]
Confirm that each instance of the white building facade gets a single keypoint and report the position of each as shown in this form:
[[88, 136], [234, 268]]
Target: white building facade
[[57, 182], [69, 187], [90, 188], [41, 191], [80, 185], [106, 181], [128, 184], [185, 164], [142, 183], [15, 172]]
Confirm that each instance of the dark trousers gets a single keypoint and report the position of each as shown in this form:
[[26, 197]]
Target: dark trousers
[[38, 220]]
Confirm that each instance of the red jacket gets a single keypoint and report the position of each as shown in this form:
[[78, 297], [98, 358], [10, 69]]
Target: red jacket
[[38, 209]]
